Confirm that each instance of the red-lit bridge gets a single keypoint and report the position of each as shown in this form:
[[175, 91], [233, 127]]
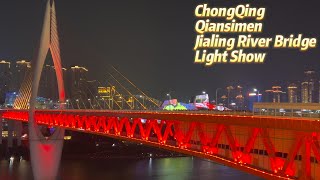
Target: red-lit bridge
[[270, 147]]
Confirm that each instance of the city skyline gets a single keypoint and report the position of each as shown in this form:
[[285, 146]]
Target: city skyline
[[17, 71], [163, 56]]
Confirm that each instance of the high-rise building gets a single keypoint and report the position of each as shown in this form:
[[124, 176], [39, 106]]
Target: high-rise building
[[65, 80], [268, 96], [5, 79], [305, 92], [310, 87], [48, 83], [223, 100], [4, 66], [20, 72], [92, 90], [239, 100], [275, 95], [78, 82], [230, 95], [107, 96], [292, 93]]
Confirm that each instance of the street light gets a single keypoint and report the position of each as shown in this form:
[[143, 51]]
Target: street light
[[77, 100], [217, 95], [90, 103], [203, 92], [67, 101], [142, 97]]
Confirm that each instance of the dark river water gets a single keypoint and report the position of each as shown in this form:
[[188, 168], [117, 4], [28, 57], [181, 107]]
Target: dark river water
[[180, 168]]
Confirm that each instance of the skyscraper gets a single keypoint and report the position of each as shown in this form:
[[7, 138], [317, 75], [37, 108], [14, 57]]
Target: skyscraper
[[310, 87], [19, 73], [304, 92], [78, 82], [292, 93], [230, 95], [92, 90], [5, 79], [48, 83], [239, 98], [4, 66], [275, 95]]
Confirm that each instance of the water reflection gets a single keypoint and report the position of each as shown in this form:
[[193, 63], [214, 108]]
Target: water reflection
[[184, 168]]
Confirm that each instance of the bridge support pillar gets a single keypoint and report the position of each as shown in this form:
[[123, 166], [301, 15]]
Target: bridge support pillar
[[45, 154]]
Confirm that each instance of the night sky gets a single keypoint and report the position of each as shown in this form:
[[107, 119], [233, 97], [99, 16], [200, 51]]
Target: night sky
[[151, 42]]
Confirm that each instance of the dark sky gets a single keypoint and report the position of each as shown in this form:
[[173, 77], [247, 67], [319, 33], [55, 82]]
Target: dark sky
[[151, 42]]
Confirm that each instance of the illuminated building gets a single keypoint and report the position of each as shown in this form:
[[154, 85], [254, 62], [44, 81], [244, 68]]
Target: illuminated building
[[5, 78], [48, 83], [268, 96], [230, 95], [224, 100], [110, 98], [92, 89], [4, 66], [10, 98], [106, 92], [239, 99], [233, 97], [310, 87], [252, 98], [275, 95], [292, 93], [78, 82], [65, 80], [304, 92], [20, 72], [48, 86]]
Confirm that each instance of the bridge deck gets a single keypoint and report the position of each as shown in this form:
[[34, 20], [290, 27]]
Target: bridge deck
[[306, 124], [267, 146]]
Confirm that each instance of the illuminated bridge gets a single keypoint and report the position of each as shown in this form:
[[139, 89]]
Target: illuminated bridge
[[270, 147], [273, 147]]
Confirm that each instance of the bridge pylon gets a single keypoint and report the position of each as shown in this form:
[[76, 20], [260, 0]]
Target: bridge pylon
[[45, 152]]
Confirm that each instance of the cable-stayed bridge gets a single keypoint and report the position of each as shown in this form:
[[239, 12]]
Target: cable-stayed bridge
[[272, 147]]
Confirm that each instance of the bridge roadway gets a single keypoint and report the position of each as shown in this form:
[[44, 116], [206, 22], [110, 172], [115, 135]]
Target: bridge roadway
[[273, 147]]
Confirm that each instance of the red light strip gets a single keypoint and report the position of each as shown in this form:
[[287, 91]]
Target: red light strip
[[173, 130]]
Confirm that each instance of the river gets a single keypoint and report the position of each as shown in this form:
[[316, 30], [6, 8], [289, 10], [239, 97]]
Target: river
[[173, 168]]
